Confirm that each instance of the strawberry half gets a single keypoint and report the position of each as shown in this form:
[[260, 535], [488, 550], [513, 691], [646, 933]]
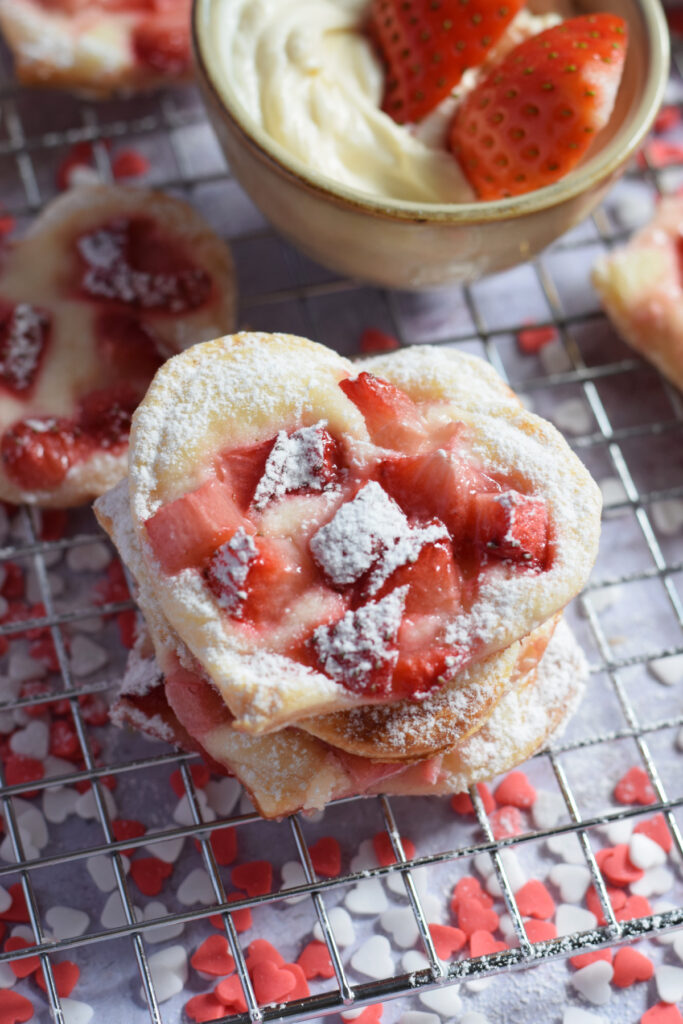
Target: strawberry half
[[428, 45], [536, 114]]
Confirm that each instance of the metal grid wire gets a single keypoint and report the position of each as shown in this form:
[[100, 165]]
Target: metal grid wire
[[26, 151]]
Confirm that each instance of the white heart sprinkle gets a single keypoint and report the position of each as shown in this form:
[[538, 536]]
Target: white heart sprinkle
[[173, 958], [554, 358], [373, 958], [567, 847], [474, 1017], [613, 491], [183, 814], [445, 1000], [514, 870], [8, 978], [484, 864], [196, 888], [293, 874], [7, 850], [667, 515], [574, 1015], [57, 766], [573, 416], [66, 922], [644, 852], [569, 919], [341, 925], [593, 982], [168, 851], [222, 795], [547, 809], [59, 803], [678, 944], [86, 807], [22, 667], [33, 741], [32, 822], [166, 984], [664, 938], [478, 984], [24, 931], [618, 832], [101, 870], [655, 882], [365, 857], [668, 671], [418, 1017], [368, 897], [400, 923], [669, 983], [572, 880], [5, 900], [76, 1012], [414, 960], [246, 806], [86, 656], [113, 915], [507, 928], [164, 932], [88, 557]]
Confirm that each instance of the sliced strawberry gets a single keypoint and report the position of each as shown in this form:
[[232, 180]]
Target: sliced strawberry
[[427, 46], [275, 579], [187, 531], [512, 525], [532, 119], [162, 41], [104, 416], [38, 452], [24, 336], [392, 418], [128, 346], [434, 581]]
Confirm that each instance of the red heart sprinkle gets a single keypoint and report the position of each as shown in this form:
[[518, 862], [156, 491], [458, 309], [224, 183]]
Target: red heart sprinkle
[[534, 900], [315, 961], [506, 822], [326, 857], [616, 867], [206, 1008], [584, 959], [129, 164], [261, 950], [482, 943], [469, 888], [635, 906], [384, 851], [241, 918], [374, 340], [199, 773], [301, 989], [149, 873], [635, 788], [540, 931], [533, 339], [22, 968], [213, 957], [474, 917], [17, 911], [66, 975], [272, 984], [631, 966], [662, 1013], [255, 877], [617, 898], [516, 791], [20, 769], [656, 829], [462, 804], [231, 994], [447, 940], [14, 1008], [224, 845], [127, 828]]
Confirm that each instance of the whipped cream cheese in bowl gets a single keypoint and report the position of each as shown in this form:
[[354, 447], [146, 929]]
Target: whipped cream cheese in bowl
[[294, 89]]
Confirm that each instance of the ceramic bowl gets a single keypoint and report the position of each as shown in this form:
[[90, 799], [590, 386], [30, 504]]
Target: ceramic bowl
[[420, 246]]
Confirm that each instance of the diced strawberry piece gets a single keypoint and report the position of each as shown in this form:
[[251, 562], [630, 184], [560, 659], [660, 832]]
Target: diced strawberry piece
[[374, 340], [419, 672], [187, 531], [428, 46], [38, 453], [512, 525], [128, 346], [13, 582], [275, 579], [305, 460], [242, 468], [392, 418], [532, 119], [434, 581], [104, 416], [162, 42], [24, 337]]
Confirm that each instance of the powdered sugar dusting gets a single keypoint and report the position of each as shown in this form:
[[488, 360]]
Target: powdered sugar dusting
[[363, 643], [296, 461], [22, 346], [358, 534], [228, 570], [405, 550]]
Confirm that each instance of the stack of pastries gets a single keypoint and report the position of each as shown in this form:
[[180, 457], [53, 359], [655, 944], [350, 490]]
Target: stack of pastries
[[351, 575]]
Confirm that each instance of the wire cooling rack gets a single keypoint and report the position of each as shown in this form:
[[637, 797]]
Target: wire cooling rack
[[622, 419]]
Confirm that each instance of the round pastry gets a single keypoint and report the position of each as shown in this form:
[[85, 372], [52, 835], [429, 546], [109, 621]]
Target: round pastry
[[98, 47], [324, 536], [107, 284]]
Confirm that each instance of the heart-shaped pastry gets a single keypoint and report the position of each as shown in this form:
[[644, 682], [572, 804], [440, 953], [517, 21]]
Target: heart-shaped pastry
[[107, 284], [98, 47], [361, 537]]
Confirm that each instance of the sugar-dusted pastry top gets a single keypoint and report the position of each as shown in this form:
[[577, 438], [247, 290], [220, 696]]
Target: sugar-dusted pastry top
[[326, 535], [98, 47], [641, 287], [106, 284]]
